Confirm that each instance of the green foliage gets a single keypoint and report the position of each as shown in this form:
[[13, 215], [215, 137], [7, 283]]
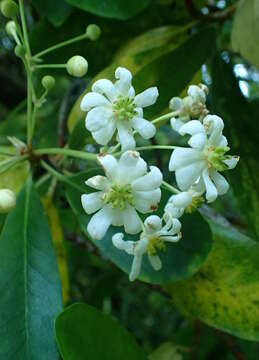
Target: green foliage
[[180, 260], [31, 296], [245, 30], [224, 293], [85, 333], [56, 11], [117, 9], [242, 130]]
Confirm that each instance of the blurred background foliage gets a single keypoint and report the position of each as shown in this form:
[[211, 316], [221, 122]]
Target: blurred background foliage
[[172, 43]]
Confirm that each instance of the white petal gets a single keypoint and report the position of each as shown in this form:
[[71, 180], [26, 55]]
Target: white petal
[[213, 122], [147, 201], [232, 162], [188, 175], [123, 85], [223, 141], [155, 262], [220, 182], [104, 135], [119, 243], [176, 103], [125, 136], [198, 141], [197, 93], [181, 200], [153, 223], [100, 223], [211, 191], [98, 182], [92, 202], [176, 124], [139, 112], [117, 217], [105, 87], [131, 166], [144, 127], [136, 267], [97, 118], [172, 239], [192, 127], [148, 182], [109, 164], [131, 92], [132, 223], [184, 156], [147, 97], [93, 99], [172, 211]]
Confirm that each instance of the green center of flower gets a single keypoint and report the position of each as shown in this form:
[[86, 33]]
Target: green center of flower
[[197, 201], [216, 156], [124, 108], [119, 196], [155, 244]]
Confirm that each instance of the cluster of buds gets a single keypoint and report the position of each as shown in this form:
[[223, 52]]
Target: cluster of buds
[[129, 188]]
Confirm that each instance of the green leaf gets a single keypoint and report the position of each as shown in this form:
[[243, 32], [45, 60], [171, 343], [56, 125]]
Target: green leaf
[[245, 32], [241, 128], [56, 11], [83, 332], [29, 280], [224, 293], [116, 9], [166, 65], [180, 260], [15, 177]]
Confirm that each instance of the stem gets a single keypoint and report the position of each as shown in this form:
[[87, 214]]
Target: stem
[[9, 163], [33, 121], [29, 109], [66, 152], [59, 176], [58, 46], [24, 28], [161, 147], [170, 188], [51, 66], [164, 117]]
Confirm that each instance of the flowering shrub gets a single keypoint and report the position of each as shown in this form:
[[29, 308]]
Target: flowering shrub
[[114, 180]]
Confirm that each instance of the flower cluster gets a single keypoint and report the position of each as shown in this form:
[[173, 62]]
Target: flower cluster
[[129, 188]]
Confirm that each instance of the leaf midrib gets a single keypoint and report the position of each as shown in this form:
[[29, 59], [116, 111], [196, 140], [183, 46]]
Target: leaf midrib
[[25, 267]]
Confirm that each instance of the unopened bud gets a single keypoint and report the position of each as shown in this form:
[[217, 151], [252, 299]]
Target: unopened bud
[[93, 32], [19, 51], [48, 82], [10, 28], [77, 66], [7, 200], [9, 8]]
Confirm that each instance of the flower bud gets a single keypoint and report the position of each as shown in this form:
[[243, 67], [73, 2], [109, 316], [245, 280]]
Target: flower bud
[[9, 8], [7, 200], [93, 32], [48, 82], [10, 28], [19, 51], [77, 66]]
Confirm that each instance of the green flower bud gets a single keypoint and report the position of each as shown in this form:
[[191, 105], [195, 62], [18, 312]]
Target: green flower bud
[[7, 200], [77, 66], [10, 28], [93, 32], [19, 51], [9, 8], [48, 82]]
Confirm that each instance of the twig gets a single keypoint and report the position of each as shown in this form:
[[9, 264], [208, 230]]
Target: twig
[[233, 347], [196, 339]]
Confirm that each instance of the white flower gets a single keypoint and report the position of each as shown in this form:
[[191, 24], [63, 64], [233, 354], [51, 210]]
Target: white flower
[[185, 201], [198, 166], [115, 106], [152, 240], [190, 107], [127, 188]]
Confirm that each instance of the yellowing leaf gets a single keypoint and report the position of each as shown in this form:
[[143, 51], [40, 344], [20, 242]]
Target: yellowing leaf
[[58, 241]]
